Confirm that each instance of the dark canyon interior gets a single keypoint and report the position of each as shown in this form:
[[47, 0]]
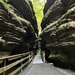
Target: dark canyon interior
[[19, 30]]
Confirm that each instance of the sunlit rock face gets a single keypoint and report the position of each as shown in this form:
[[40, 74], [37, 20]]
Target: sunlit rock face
[[17, 34], [58, 33]]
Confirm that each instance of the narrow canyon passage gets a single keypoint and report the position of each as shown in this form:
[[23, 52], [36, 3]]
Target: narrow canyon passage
[[37, 59], [20, 23]]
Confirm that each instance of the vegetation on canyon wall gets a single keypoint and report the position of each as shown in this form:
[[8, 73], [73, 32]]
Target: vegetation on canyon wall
[[38, 8]]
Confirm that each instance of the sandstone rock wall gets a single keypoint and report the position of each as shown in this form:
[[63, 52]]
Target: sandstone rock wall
[[25, 7], [17, 33], [58, 33]]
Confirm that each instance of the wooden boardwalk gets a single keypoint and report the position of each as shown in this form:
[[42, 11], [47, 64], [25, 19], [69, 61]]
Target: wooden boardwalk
[[40, 68], [45, 69]]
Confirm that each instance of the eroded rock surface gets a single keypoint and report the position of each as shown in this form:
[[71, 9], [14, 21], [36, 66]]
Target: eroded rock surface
[[17, 33], [25, 7], [58, 33]]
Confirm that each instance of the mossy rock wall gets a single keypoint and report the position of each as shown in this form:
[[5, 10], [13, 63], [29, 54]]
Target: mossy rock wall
[[17, 33], [58, 33]]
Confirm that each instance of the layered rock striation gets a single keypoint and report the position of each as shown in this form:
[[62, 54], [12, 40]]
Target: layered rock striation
[[17, 33], [25, 7], [58, 33]]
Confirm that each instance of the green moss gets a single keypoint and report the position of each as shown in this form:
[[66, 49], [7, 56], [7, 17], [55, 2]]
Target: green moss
[[1, 40], [38, 6]]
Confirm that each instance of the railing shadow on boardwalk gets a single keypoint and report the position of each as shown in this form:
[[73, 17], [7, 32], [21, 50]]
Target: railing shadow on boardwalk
[[12, 65]]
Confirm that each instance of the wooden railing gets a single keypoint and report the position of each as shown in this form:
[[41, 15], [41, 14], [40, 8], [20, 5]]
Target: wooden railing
[[12, 65]]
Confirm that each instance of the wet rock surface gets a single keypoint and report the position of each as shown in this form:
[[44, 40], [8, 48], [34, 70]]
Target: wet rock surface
[[17, 33], [58, 33]]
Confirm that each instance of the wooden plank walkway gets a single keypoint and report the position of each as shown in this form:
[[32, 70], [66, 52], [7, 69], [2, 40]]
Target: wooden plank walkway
[[45, 69], [40, 68]]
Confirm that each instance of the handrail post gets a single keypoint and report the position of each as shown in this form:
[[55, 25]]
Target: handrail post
[[21, 63], [28, 51], [29, 56], [4, 66]]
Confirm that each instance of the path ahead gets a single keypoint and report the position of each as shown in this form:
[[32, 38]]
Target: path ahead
[[37, 59], [40, 68]]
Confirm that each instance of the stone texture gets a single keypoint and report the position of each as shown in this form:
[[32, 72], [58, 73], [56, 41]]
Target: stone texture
[[53, 13], [16, 32], [25, 7], [48, 5], [58, 35]]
